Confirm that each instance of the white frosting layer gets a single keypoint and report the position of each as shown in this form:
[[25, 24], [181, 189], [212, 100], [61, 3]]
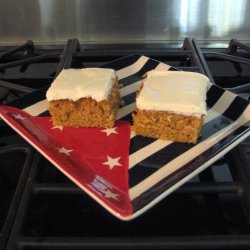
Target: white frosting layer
[[74, 84], [173, 91]]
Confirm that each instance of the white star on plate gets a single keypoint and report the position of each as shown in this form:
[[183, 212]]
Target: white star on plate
[[112, 162], [19, 117], [110, 131], [65, 151], [109, 194], [59, 127]]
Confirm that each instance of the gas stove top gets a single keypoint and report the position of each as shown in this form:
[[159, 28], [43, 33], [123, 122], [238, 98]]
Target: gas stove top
[[41, 209]]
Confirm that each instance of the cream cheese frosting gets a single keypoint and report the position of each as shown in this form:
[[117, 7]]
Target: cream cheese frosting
[[174, 91], [74, 84]]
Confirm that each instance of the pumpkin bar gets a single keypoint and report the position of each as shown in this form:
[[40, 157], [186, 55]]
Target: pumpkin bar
[[171, 105], [87, 97]]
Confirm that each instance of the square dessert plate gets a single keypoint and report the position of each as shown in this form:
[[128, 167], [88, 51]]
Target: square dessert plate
[[154, 168]]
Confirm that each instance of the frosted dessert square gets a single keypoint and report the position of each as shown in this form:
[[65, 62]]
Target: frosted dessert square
[[170, 106], [87, 97]]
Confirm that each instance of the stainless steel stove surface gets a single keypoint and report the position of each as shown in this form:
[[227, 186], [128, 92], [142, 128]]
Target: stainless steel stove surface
[[41, 209]]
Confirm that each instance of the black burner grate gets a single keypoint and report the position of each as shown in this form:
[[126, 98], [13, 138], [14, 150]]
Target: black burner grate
[[14, 167], [228, 68], [26, 68], [209, 212]]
